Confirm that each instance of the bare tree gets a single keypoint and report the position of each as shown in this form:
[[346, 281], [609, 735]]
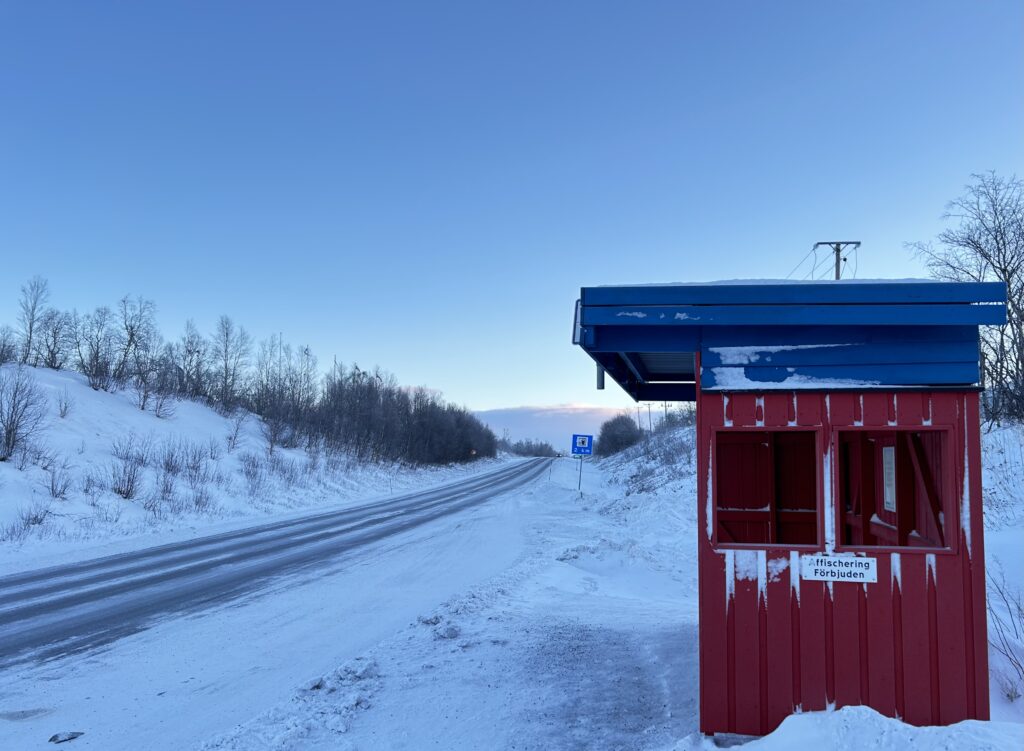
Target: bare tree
[[987, 244], [192, 356], [231, 347], [1006, 634], [8, 345], [34, 295], [52, 339], [22, 409], [93, 336], [136, 331]]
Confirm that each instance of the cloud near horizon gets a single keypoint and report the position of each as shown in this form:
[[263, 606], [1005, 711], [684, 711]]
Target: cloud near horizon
[[554, 424]]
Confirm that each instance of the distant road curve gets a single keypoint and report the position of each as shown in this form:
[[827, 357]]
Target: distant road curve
[[64, 609]]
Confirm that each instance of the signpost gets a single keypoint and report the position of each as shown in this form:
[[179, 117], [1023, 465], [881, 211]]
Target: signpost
[[582, 445]]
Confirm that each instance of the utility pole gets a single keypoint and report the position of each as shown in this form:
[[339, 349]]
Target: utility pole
[[838, 248]]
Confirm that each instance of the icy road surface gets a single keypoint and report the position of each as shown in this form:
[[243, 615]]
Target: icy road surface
[[141, 629], [52, 612]]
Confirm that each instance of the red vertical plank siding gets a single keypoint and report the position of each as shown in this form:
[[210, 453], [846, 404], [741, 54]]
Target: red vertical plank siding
[[908, 410], [847, 655], [972, 420], [812, 645], [780, 656], [743, 410], [881, 647], [747, 678], [809, 409], [714, 698], [776, 410], [951, 646], [915, 650], [916, 668], [841, 408], [876, 408]]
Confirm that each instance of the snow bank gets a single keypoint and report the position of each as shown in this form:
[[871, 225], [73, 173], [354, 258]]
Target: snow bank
[[854, 728]]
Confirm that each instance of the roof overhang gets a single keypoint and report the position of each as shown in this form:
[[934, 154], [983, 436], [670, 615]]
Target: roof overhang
[[783, 336]]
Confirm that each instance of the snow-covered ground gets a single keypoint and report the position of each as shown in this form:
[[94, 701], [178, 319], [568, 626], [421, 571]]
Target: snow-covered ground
[[588, 642], [545, 619], [203, 473]]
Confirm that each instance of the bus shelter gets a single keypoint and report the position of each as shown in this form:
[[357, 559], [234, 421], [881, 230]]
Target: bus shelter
[[839, 507]]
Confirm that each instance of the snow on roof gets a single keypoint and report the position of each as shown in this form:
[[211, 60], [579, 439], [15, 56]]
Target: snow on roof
[[773, 282]]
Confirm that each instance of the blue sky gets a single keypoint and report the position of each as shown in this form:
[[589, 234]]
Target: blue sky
[[425, 186]]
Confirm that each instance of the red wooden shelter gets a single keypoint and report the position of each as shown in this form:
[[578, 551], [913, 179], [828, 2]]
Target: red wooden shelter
[[839, 492]]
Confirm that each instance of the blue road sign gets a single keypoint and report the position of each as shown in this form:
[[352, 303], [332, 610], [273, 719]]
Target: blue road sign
[[582, 444]]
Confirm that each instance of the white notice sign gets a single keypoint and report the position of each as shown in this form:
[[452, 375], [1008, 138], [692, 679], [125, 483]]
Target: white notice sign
[[889, 478], [838, 568]]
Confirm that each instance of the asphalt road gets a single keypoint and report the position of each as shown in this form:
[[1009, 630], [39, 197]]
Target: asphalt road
[[51, 612]]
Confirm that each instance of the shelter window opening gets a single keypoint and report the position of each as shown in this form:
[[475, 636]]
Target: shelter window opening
[[894, 490], [766, 487]]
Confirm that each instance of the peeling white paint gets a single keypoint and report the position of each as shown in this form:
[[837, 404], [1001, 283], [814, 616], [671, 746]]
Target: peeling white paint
[[895, 409], [828, 407], [759, 402], [686, 317], [725, 411], [861, 420], [792, 422], [897, 573], [929, 560]]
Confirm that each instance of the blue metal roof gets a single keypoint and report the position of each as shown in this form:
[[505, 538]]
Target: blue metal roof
[[782, 336]]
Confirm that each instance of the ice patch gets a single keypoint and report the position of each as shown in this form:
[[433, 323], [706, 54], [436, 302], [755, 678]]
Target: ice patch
[[775, 568], [708, 509], [747, 355], [965, 500], [830, 519], [735, 379], [746, 564], [730, 575]]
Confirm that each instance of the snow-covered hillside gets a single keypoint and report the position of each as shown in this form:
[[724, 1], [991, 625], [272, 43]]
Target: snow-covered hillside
[[589, 641], [189, 472]]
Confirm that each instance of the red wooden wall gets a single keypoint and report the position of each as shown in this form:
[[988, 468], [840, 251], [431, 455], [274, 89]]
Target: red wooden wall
[[913, 645]]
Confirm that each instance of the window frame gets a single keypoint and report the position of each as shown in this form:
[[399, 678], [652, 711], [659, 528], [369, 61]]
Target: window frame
[[819, 495], [951, 502]]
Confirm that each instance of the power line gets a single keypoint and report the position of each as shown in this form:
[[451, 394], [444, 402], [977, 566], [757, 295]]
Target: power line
[[801, 262]]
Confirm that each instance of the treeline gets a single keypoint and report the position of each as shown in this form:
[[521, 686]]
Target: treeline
[[527, 447], [359, 411], [622, 431]]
